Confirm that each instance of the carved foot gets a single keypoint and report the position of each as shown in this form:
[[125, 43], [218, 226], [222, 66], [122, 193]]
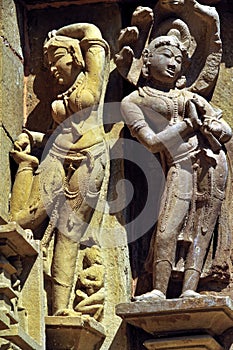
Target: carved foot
[[67, 312], [190, 294], [153, 295]]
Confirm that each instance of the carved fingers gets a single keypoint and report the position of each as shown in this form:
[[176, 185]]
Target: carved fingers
[[128, 36], [192, 117], [22, 150], [142, 17], [22, 143], [20, 157]]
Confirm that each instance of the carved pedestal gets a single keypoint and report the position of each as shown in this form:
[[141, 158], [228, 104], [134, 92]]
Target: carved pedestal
[[189, 323], [77, 333], [21, 290]]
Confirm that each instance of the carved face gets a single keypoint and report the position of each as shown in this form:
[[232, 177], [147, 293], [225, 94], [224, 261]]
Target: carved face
[[62, 66], [165, 64]]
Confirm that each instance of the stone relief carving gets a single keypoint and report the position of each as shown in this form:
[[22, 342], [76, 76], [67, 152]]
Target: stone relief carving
[[70, 183], [169, 115], [205, 46], [89, 292]]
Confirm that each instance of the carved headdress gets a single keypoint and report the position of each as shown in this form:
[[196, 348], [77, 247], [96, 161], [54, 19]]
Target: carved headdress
[[70, 45], [203, 45], [173, 32]]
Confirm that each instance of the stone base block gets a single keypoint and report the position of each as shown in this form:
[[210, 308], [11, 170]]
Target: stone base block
[[77, 333], [198, 342]]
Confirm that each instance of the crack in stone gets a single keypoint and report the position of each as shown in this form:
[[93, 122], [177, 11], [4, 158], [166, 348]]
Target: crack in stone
[[7, 44]]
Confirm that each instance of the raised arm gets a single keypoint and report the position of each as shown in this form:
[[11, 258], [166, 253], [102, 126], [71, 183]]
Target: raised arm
[[96, 54], [80, 31]]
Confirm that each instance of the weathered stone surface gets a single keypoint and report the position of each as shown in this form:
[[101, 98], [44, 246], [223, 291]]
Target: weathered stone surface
[[32, 302], [198, 342], [24, 306], [41, 21], [78, 333], [10, 26], [222, 97], [212, 315], [117, 281], [5, 183], [11, 91], [20, 338]]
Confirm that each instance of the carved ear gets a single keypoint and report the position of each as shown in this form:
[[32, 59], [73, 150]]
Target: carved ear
[[145, 58], [145, 54]]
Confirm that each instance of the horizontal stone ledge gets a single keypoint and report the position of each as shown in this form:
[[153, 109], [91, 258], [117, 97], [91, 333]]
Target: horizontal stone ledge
[[15, 241], [207, 314], [17, 336]]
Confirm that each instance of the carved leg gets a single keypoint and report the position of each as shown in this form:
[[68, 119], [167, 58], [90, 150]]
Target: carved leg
[[205, 222], [161, 275], [92, 305], [175, 208], [26, 205], [63, 269], [213, 182], [191, 279]]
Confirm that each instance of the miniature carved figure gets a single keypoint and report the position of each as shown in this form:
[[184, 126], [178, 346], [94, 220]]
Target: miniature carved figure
[[73, 175], [189, 134], [90, 285]]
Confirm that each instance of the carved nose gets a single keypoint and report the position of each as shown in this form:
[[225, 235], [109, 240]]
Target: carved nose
[[172, 66], [173, 62]]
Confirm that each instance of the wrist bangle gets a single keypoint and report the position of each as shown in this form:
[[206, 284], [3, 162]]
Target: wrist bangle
[[24, 169], [136, 126]]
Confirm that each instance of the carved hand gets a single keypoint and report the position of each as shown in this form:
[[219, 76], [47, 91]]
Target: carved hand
[[22, 150], [142, 16], [191, 115]]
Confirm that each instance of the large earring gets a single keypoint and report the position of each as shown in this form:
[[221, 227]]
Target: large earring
[[75, 58], [145, 71]]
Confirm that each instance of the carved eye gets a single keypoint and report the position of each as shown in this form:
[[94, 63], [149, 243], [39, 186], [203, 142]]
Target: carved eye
[[167, 54], [179, 59]]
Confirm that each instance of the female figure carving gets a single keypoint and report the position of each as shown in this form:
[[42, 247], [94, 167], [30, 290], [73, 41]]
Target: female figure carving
[[72, 177]]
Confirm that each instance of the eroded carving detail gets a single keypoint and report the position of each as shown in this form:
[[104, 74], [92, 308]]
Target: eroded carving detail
[[89, 293]]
